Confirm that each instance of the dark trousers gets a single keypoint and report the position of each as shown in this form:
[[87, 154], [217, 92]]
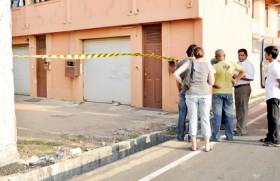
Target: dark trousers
[[241, 97], [273, 120]]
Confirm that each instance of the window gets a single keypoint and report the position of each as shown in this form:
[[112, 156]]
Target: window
[[17, 3], [243, 1]]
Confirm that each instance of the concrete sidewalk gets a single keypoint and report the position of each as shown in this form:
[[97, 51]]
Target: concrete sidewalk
[[98, 122]]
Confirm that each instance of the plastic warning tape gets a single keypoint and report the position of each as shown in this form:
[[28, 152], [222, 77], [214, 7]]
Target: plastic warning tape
[[95, 55]]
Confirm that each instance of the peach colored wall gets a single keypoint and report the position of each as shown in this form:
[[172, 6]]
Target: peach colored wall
[[62, 87], [176, 37], [67, 15]]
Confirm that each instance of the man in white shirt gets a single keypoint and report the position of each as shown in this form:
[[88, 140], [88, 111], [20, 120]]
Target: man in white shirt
[[242, 92], [272, 95]]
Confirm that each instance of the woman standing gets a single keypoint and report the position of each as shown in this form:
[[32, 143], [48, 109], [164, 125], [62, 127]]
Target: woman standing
[[198, 96]]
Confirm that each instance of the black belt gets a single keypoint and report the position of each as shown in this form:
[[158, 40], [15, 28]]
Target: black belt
[[241, 85]]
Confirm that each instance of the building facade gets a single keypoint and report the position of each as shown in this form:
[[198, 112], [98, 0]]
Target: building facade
[[160, 27]]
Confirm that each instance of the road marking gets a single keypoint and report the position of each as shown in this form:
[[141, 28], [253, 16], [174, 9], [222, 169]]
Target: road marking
[[188, 156], [256, 119], [175, 163]]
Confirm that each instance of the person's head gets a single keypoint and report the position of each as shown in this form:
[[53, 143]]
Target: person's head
[[242, 54], [190, 50], [198, 52], [271, 52], [220, 55]]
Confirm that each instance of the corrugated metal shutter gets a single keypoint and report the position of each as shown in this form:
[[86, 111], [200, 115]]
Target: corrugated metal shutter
[[21, 70], [107, 79]]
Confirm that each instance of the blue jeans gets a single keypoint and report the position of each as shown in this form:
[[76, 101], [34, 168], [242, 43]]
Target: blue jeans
[[182, 115], [199, 105], [222, 103]]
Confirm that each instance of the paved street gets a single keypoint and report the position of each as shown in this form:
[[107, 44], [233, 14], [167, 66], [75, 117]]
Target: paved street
[[242, 159]]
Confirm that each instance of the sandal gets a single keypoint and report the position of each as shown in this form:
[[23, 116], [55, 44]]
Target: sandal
[[210, 148], [192, 149]]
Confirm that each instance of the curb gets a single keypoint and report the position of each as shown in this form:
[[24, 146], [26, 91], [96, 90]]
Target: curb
[[90, 160]]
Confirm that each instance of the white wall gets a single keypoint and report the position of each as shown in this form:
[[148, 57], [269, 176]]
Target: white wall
[[230, 26]]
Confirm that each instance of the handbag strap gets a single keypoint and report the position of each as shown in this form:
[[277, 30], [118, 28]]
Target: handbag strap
[[192, 70]]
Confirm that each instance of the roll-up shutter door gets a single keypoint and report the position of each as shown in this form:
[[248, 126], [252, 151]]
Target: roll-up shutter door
[[107, 79]]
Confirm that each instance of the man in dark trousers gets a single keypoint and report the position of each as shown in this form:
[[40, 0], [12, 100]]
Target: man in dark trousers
[[182, 107], [242, 92], [272, 96]]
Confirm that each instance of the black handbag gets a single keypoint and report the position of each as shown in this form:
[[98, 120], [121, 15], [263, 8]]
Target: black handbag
[[186, 83]]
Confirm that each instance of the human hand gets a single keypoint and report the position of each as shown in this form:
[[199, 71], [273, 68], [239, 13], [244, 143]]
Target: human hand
[[217, 86]]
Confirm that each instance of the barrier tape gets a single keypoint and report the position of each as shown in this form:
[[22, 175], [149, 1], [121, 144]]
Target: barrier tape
[[95, 55]]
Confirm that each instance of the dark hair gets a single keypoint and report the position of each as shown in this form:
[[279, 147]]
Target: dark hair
[[272, 50], [198, 52], [190, 50], [243, 50]]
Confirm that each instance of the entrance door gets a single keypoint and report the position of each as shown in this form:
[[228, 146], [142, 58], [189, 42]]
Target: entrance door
[[152, 67], [41, 72]]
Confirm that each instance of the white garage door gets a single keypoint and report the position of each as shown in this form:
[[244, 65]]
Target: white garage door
[[107, 79], [21, 70]]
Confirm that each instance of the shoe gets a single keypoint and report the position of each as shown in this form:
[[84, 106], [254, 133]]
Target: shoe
[[239, 134], [223, 127], [229, 139], [180, 139], [210, 148], [268, 144], [264, 140], [213, 140], [276, 145]]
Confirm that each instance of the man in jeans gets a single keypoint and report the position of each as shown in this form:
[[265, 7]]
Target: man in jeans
[[222, 99], [182, 107], [272, 96]]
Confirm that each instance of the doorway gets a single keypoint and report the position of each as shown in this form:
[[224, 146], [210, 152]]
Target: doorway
[[152, 67], [41, 72]]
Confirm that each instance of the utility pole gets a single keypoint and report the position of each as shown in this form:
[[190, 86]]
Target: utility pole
[[8, 131]]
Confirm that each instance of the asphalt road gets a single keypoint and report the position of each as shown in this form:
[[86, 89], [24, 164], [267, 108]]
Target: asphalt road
[[242, 159]]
